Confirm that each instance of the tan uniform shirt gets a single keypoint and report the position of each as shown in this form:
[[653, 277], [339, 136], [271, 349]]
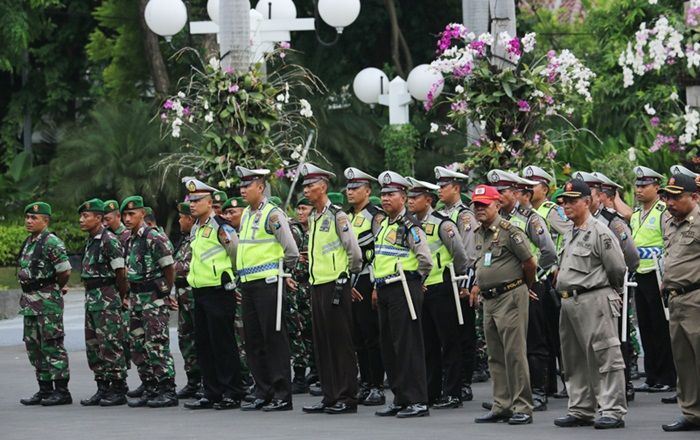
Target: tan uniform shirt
[[682, 251], [501, 249]]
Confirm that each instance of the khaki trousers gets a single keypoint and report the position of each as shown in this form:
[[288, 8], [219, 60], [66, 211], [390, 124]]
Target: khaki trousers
[[685, 343]]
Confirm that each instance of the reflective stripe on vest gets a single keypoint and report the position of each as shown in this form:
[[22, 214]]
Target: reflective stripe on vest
[[259, 251], [327, 256], [209, 257], [387, 252], [647, 236], [440, 255]]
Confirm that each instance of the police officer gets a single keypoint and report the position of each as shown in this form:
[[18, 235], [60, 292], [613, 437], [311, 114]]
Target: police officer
[[42, 273], [441, 327], [365, 317], [505, 271], [185, 304], [150, 271], [399, 239], [265, 240], [592, 268], [680, 169], [104, 276], [451, 184], [682, 287], [335, 260]]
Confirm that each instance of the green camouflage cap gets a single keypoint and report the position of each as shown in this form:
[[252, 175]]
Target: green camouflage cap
[[336, 198], [219, 197], [303, 201], [184, 208], [131, 202], [276, 201], [111, 206], [92, 205], [235, 202], [38, 208]]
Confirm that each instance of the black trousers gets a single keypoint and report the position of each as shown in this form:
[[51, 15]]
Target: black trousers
[[267, 350], [468, 341], [551, 306], [442, 337], [653, 327], [366, 336], [537, 343], [402, 343], [215, 343], [335, 355], [626, 347]]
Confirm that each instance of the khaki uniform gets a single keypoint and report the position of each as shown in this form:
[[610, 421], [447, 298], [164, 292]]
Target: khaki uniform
[[592, 265], [501, 249], [682, 253]]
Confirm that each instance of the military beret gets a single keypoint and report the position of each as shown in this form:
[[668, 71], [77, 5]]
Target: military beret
[[234, 202], [558, 193], [92, 205], [131, 202], [303, 202], [336, 198], [184, 208], [219, 197], [111, 206], [375, 201], [38, 208], [148, 210], [275, 200]]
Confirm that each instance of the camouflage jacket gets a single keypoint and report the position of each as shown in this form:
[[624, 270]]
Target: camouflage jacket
[[300, 273], [103, 255], [123, 235], [146, 254], [183, 256], [52, 260]]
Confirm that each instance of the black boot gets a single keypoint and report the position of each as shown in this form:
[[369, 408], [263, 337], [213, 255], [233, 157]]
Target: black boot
[[138, 392], [45, 390], [299, 385], [116, 395], [190, 390], [102, 387], [150, 391], [166, 395], [60, 395]]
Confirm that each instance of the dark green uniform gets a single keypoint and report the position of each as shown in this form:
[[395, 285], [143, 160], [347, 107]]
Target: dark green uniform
[[185, 314], [299, 317]]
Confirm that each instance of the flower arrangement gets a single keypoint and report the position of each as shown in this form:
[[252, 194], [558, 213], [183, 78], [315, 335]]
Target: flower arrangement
[[518, 110], [224, 118]]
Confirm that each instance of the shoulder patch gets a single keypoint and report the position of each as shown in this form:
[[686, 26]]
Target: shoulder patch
[[505, 224], [343, 223], [275, 220], [416, 235], [661, 206], [537, 225], [517, 238], [558, 209], [450, 230]]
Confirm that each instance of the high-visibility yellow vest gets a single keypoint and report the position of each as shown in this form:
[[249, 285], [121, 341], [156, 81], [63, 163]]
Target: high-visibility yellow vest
[[441, 256], [259, 251], [647, 235], [209, 257], [520, 221], [391, 247], [544, 210], [327, 256], [362, 227]]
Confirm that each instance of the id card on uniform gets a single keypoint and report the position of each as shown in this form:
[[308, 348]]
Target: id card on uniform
[[487, 259]]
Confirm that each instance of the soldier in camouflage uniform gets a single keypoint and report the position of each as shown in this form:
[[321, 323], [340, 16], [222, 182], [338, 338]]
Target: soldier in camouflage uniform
[[104, 276], [43, 272], [151, 274], [185, 305], [299, 317]]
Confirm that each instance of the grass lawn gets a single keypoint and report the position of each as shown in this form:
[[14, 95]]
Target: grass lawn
[[8, 279]]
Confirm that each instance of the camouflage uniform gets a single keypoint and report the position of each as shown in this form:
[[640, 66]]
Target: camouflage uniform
[[299, 316], [43, 308], [104, 329], [147, 252], [123, 235], [185, 304]]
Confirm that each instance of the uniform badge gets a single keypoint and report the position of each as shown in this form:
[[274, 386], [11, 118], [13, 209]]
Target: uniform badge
[[639, 172], [568, 187], [391, 237], [234, 203], [87, 205], [387, 179], [359, 220], [517, 239], [326, 224], [466, 221], [191, 186], [528, 172], [493, 176], [343, 223], [607, 243], [275, 220], [111, 206], [217, 198], [35, 208], [206, 231], [130, 205], [429, 228], [450, 231]]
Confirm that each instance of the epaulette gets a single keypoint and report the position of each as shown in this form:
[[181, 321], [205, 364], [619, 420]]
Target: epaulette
[[334, 209], [439, 216], [609, 216], [374, 210], [410, 221], [505, 224], [661, 206], [527, 212]]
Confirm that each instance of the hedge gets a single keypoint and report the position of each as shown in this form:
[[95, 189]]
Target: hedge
[[12, 235]]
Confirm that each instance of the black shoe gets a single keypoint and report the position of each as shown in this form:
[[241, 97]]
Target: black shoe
[[278, 405], [629, 391], [480, 376], [570, 421], [167, 396], [467, 394], [255, 405], [227, 403], [200, 392], [299, 386], [490, 417], [362, 392], [60, 395], [150, 392], [315, 408], [608, 423], [681, 424], [520, 419], [539, 401], [249, 398], [315, 389], [643, 388], [189, 391], [45, 390], [374, 398], [563, 394], [488, 406], [670, 400], [415, 410], [102, 387], [389, 411], [448, 402], [661, 388], [340, 408], [138, 392], [202, 403], [116, 394], [311, 378], [634, 371]]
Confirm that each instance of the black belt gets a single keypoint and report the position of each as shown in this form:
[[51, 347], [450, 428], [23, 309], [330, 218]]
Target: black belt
[[144, 286], [682, 290], [32, 286], [576, 292], [181, 283], [499, 290], [96, 283]]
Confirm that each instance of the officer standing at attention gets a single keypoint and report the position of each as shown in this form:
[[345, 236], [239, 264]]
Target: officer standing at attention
[[647, 223], [335, 260], [399, 239], [265, 239], [43, 272], [365, 316], [441, 328], [185, 304], [592, 268], [219, 199], [505, 271], [232, 210], [682, 287], [151, 274], [104, 276]]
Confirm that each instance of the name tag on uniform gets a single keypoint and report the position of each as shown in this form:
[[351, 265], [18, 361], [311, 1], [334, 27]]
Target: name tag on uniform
[[206, 232], [487, 259]]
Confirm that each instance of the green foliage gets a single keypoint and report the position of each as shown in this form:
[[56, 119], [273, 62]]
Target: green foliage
[[400, 143], [22, 181], [13, 234], [11, 238]]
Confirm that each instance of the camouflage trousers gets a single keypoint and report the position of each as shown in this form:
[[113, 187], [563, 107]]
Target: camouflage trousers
[[240, 335], [126, 342], [481, 355], [150, 344], [185, 338], [299, 326], [104, 344], [43, 337]]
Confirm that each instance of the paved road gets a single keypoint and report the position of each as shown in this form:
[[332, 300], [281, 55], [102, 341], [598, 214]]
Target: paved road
[[74, 422]]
